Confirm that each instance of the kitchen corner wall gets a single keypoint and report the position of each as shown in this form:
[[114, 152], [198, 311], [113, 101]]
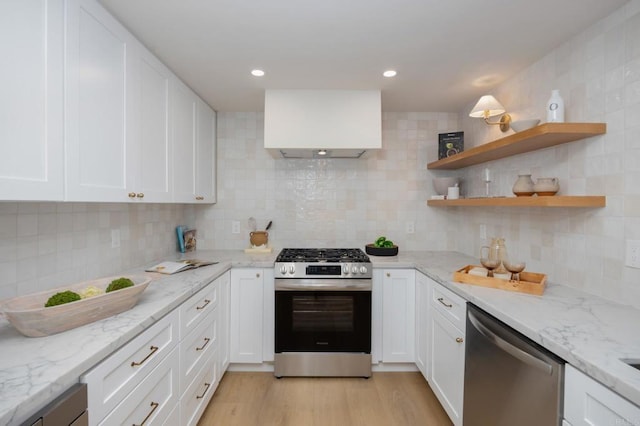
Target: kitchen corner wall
[[598, 75], [332, 202], [47, 245]]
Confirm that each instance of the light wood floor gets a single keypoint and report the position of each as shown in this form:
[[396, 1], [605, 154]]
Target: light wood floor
[[389, 399]]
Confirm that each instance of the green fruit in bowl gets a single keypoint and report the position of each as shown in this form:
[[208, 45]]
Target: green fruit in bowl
[[383, 242]]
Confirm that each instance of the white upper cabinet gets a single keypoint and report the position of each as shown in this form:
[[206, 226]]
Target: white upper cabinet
[[183, 114], [31, 114], [149, 168], [205, 171], [97, 102]]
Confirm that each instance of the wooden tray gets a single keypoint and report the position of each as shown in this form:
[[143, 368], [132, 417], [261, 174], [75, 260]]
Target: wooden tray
[[31, 318], [530, 282]]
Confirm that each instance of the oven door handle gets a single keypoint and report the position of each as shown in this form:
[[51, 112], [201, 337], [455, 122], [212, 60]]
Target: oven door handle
[[322, 285]]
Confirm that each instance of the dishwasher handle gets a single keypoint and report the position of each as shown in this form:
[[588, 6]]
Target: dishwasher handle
[[516, 352]]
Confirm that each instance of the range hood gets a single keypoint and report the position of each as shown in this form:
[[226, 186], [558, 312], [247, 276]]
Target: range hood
[[322, 123]]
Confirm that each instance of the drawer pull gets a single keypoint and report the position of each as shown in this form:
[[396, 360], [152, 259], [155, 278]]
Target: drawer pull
[[153, 351], [206, 302], [206, 342], [441, 300], [206, 389], [459, 339], [154, 405]]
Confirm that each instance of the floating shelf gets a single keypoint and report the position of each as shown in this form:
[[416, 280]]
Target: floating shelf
[[539, 137], [552, 201]]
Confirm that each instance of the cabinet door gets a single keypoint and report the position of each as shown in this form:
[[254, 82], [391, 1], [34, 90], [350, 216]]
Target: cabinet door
[[31, 114], [97, 101], [224, 319], [149, 168], [447, 365], [184, 105], [246, 315], [205, 154], [587, 402], [422, 323], [398, 316]]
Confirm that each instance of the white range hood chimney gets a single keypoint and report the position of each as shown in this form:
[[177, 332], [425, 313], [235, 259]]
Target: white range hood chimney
[[322, 123]]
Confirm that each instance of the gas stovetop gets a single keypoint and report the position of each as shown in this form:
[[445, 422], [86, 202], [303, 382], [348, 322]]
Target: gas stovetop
[[322, 263], [332, 255]]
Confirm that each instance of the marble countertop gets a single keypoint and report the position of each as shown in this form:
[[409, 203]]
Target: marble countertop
[[588, 332]]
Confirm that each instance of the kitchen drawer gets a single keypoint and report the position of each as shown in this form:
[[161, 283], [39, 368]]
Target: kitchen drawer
[[114, 378], [173, 419], [196, 348], [589, 403], [153, 400], [197, 307], [199, 393], [452, 306]]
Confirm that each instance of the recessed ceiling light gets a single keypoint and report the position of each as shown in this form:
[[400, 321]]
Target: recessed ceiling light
[[389, 73], [257, 73]]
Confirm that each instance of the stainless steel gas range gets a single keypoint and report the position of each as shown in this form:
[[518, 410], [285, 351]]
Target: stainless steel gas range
[[323, 313]]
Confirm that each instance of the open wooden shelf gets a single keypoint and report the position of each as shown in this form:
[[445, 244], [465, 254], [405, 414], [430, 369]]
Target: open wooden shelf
[[539, 137], [552, 201]]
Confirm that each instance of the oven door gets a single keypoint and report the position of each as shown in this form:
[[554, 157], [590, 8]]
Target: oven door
[[323, 321]]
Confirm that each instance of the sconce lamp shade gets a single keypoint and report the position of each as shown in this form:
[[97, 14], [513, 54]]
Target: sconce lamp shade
[[487, 106]]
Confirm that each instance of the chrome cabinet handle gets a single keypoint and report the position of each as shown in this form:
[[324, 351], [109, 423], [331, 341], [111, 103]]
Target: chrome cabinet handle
[[258, 275], [140, 195], [206, 389], [388, 274], [459, 339], [441, 300], [206, 342], [153, 350], [132, 195], [206, 302], [199, 198], [154, 405]]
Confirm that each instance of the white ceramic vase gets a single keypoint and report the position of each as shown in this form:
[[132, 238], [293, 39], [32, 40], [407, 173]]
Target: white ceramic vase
[[523, 186], [555, 108]]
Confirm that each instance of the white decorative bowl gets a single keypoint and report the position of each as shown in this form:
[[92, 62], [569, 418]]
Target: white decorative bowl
[[31, 318], [441, 184], [520, 125]]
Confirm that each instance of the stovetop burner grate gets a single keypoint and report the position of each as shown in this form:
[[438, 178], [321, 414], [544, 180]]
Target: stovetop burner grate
[[322, 255]]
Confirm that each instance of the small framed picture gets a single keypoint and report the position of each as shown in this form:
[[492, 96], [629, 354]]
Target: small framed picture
[[189, 240], [450, 144]]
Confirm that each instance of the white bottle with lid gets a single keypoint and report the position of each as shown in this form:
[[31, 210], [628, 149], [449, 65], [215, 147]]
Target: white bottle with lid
[[555, 108]]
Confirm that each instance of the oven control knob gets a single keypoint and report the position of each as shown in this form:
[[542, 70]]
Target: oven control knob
[[283, 269], [363, 269], [354, 270], [292, 269], [345, 270]]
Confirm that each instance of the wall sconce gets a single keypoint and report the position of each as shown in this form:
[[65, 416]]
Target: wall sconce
[[488, 106]]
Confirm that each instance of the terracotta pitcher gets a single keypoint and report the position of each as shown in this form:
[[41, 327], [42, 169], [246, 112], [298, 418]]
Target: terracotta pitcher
[[259, 238]]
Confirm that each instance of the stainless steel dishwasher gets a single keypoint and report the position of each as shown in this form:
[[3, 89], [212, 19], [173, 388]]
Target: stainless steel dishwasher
[[508, 379]]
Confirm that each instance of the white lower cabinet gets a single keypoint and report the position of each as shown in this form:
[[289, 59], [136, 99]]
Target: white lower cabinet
[[252, 318], [423, 288], [447, 349], [115, 378], [153, 400], [589, 403], [167, 374], [398, 315]]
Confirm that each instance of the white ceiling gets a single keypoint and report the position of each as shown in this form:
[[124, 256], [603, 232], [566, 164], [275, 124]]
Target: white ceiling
[[446, 52]]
